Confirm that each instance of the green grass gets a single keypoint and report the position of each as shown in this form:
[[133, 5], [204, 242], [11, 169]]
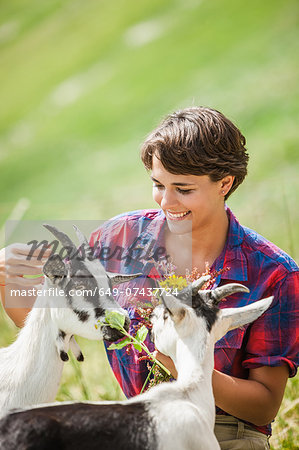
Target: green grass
[[82, 83], [285, 429], [78, 96]]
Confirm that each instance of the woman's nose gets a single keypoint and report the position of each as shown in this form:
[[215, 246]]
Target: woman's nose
[[168, 200]]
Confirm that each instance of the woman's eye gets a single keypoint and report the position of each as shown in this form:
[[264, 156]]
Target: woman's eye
[[160, 187], [185, 191]]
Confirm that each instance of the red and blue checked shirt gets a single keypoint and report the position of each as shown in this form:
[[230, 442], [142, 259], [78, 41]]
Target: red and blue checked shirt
[[272, 340]]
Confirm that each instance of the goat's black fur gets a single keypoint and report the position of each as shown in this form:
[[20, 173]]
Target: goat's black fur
[[208, 312], [79, 426]]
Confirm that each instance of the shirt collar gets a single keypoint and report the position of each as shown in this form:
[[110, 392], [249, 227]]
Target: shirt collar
[[232, 255], [151, 237]]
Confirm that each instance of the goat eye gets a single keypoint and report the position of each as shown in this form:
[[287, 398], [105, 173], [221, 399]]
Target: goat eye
[[165, 314], [151, 335]]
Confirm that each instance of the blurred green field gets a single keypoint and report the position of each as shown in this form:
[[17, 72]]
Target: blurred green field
[[82, 83]]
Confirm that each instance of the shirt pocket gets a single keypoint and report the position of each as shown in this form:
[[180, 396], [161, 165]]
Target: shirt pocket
[[232, 339]]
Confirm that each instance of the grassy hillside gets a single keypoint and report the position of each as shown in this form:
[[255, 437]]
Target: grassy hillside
[[82, 83]]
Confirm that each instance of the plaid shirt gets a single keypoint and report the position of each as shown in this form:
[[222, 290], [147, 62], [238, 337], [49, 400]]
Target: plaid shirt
[[253, 261]]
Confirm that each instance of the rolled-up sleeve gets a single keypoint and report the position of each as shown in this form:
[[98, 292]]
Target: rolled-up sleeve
[[273, 338]]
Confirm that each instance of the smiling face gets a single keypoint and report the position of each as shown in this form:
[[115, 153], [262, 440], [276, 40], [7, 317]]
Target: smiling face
[[190, 202]]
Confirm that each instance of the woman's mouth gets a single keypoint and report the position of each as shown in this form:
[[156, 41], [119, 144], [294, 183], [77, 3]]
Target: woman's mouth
[[177, 216]]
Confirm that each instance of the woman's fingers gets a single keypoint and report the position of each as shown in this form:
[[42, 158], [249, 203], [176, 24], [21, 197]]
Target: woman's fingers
[[21, 270], [23, 282], [11, 261], [17, 265], [26, 250]]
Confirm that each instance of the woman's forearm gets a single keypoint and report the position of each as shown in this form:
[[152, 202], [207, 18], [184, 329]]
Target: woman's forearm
[[251, 400], [168, 363], [17, 315], [16, 264], [255, 400]]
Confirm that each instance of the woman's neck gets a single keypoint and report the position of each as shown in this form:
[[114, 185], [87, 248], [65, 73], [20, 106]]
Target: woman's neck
[[199, 247], [209, 242]]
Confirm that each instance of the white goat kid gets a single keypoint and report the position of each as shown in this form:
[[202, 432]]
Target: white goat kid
[[188, 335], [171, 416], [31, 368]]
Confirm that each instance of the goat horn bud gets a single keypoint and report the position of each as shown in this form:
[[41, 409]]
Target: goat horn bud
[[186, 294], [223, 291], [198, 284], [81, 237], [62, 237]]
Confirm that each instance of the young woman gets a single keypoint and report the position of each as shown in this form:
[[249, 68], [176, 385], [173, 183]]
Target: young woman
[[196, 159]]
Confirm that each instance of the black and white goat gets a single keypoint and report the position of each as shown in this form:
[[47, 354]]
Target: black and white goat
[[31, 368], [171, 416]]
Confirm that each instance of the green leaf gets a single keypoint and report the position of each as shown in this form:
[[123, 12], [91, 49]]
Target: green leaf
[[137, 347], [141, 334], [33, 276], [120, 344], [115, 319]]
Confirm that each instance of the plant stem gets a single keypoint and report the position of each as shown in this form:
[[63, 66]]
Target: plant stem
[[144, 347], [147, 378]]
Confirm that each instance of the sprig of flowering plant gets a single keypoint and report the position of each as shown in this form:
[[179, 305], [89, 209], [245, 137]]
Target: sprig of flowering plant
[[195, 274], [116, 320], [158, 373], [175, 283]]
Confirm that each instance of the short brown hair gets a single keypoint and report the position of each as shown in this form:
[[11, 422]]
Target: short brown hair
[[198, 141]]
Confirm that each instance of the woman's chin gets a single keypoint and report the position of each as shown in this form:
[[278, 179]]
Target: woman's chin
[[179, 226]]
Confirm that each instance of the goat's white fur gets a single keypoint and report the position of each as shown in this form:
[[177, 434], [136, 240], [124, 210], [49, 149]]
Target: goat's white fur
[[31, 367], [183, 412], [190, 399]]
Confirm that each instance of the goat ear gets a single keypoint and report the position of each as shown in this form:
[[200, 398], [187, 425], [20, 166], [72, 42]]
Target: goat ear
[[55, 269], [117, 278], [231, 318]]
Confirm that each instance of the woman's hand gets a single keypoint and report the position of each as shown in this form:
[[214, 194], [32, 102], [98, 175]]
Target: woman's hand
[[168, 363], [16, 262]]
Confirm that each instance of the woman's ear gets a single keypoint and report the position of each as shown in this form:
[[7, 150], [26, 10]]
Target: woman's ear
[[226, 184]]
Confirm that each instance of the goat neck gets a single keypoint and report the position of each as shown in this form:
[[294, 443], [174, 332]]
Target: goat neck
[[195, 362], [34, 363], [189, 358]]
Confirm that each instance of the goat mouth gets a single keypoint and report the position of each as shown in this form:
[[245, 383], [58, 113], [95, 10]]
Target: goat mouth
[[111, 334]]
